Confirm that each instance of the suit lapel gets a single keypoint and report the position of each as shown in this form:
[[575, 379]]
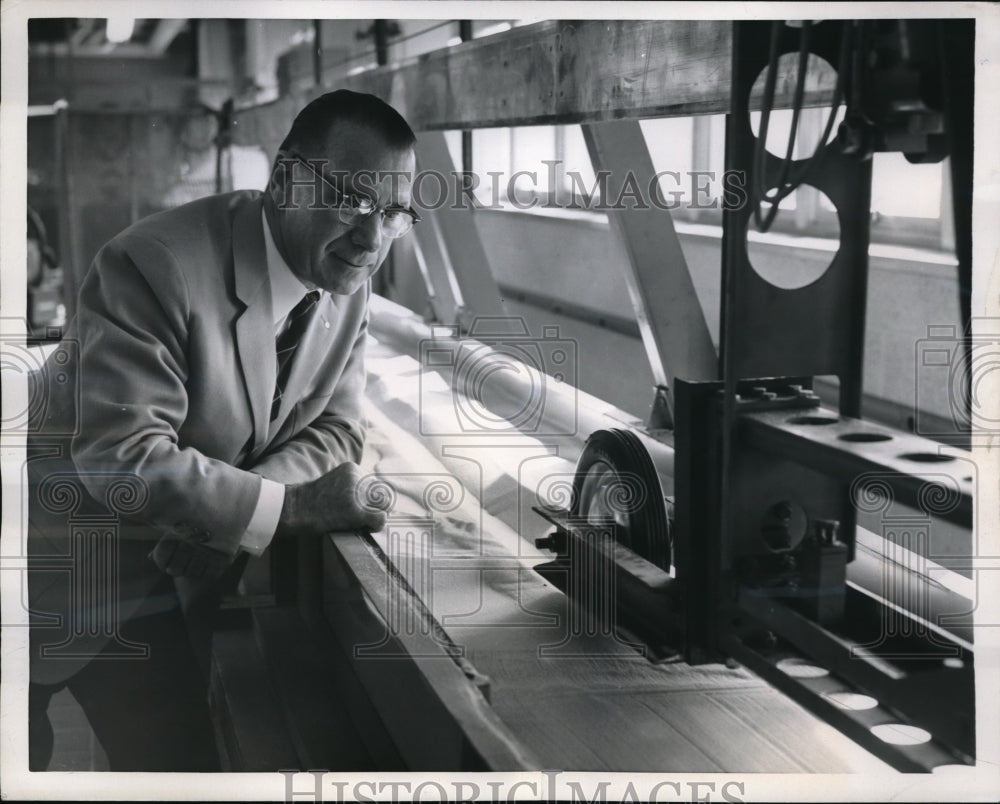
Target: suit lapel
[[254, 327]]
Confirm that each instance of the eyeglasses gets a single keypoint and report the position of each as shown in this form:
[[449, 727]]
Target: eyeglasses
[[353, 209]]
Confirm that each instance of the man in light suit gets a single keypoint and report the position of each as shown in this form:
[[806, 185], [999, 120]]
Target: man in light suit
[[212, 405]]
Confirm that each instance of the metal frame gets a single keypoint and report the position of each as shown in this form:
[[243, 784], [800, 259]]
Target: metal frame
[[760, 604], [746, 447], [666, 306], [457, 239], [813, 330], [436, 271]]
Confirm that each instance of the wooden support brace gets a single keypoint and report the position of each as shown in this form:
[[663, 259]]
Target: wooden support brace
[[438, 184], [670, 317], [438, 275]]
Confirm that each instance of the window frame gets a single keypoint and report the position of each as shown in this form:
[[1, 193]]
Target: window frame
[[808, 219]]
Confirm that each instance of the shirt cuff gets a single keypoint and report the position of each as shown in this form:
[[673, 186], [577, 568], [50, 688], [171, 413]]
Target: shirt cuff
[[264, 521]]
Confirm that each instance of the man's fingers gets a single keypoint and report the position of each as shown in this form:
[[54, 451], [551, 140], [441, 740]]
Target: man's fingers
[[375, 521], [344, 500]]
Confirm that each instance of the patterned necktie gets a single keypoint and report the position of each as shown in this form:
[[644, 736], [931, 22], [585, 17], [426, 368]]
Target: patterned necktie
[[288, 341]]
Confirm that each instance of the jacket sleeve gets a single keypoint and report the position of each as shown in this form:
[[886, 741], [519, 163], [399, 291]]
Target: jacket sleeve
[[132, 322]]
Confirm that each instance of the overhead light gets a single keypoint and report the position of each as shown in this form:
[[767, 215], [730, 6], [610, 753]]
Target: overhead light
[[119, 29]]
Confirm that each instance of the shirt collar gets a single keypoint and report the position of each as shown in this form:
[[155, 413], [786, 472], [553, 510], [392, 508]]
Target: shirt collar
[[287, 289]]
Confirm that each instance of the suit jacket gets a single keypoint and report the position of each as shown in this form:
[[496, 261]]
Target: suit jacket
[[155, 409]]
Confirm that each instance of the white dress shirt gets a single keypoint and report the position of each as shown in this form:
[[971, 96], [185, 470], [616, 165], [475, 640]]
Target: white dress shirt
[[286, 291]]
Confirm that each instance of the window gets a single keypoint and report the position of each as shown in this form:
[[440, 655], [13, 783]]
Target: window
[[535, 167]]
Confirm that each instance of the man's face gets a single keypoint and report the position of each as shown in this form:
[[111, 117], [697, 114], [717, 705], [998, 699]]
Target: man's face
[[319, 247]]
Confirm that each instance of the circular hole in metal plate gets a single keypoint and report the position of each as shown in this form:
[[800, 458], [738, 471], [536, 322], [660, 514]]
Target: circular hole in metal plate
[[812, 420], [953, 662], [800, 668], [864, 438], [821, 81], [789, 274], [854, 701], [901, 734], [926, 457]]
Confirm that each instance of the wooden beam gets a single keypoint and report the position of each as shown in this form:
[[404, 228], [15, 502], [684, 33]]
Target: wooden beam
[[416, 687], [555, 72]]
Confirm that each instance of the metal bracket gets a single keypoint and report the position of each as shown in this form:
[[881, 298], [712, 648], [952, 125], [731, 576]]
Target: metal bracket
[[661, 416]]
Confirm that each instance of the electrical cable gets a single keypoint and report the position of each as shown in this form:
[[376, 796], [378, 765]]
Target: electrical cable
[[765, 119], [843, 58], [800, 79], [800, 86], [786, 185]]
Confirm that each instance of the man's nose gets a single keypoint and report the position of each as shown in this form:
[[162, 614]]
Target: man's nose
[[368, 232]]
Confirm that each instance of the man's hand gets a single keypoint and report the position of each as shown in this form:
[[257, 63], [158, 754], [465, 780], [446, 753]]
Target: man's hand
[[330, 503]]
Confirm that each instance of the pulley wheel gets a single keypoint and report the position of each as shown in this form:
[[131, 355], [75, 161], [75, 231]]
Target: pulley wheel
[[616, 485]]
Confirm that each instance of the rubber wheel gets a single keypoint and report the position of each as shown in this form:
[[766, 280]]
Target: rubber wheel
[[616, 484]]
